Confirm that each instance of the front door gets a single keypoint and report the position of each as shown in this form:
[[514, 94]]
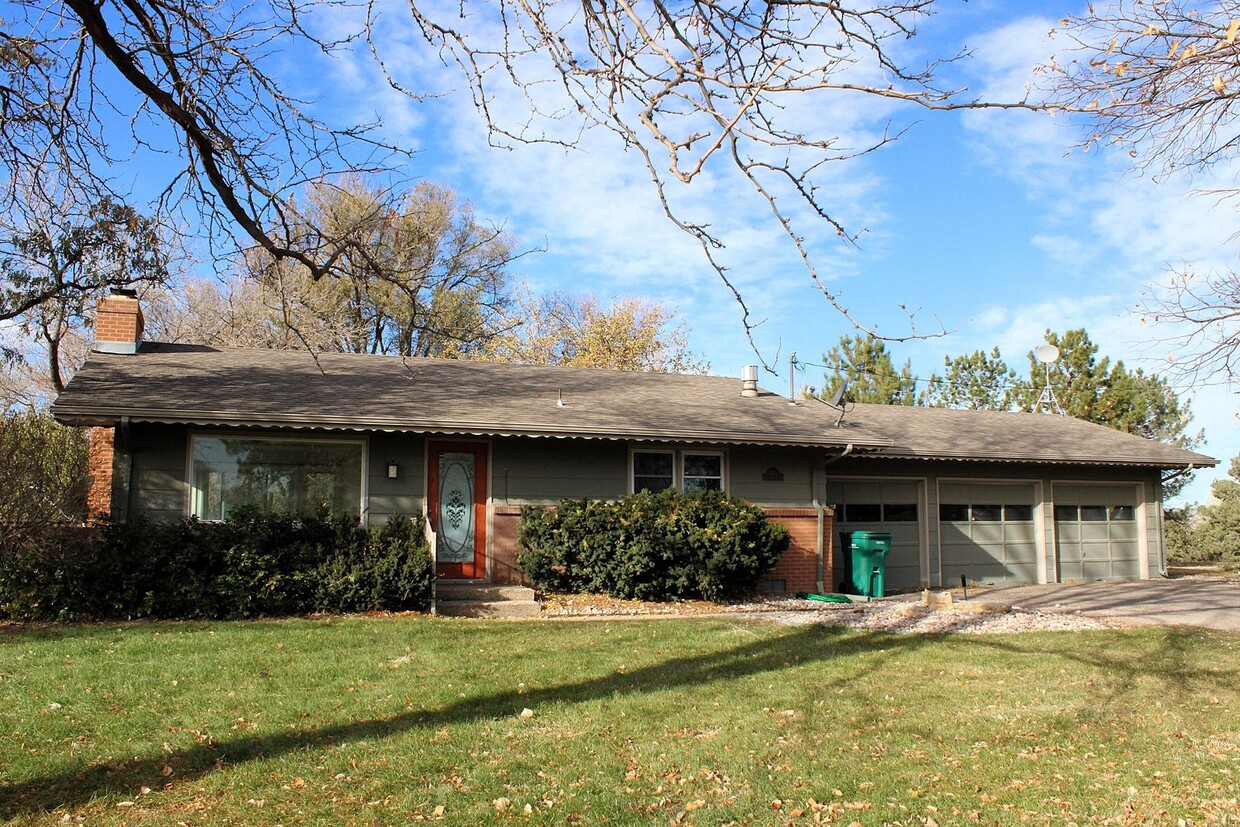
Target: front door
[[458, 508]]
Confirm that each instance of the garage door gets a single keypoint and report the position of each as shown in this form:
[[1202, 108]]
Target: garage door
[[1096, 535], [883, 506], [987, 533]]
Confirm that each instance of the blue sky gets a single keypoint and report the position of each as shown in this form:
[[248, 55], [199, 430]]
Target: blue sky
[[988, 224]]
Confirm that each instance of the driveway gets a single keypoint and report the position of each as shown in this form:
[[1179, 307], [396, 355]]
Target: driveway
[[1209, 601]]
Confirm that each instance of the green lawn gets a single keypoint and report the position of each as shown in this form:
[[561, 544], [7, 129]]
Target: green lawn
[[388, 721]]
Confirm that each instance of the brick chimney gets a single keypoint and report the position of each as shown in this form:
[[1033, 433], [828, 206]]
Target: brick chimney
[[119, 323]]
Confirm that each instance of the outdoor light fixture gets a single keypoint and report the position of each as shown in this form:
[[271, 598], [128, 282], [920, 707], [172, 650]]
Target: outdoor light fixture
[[392, 470]]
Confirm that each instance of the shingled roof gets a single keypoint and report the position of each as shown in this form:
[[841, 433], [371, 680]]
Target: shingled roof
[[1011, 436], [242, 386], [198, 385]]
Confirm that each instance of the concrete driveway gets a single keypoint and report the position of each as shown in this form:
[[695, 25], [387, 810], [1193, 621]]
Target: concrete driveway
[[1209, 601]]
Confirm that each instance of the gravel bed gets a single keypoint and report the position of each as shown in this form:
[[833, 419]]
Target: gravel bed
[[897, 615], [906, 618]]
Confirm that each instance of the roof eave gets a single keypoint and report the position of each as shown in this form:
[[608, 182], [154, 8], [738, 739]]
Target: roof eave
[[1198, 461], [96, 416]]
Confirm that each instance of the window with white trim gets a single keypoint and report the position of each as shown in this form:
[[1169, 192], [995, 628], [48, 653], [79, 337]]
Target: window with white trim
[[653, 470], [274, 475], [685, 470]]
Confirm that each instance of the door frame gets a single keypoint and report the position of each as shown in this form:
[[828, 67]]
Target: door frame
[[477, 570]]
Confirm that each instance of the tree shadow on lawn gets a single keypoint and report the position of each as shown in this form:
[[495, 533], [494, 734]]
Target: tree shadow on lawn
[[1178, 657], [808, 645]]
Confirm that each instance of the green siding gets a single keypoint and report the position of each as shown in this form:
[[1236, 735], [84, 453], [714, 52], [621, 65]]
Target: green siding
[[748, 464], [542, 471], [405, 494]]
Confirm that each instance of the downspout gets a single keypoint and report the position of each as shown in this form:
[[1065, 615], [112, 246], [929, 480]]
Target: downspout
[[819, 507], [1163, 569]]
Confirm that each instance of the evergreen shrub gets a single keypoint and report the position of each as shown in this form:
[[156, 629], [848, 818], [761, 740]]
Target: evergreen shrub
[[651, 546], [250, 565]]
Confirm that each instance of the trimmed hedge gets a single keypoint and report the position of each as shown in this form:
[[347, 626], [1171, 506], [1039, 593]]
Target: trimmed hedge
[[248, 566], [649, 546]]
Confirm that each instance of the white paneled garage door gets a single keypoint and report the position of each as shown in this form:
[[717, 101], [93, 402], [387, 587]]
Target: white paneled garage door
[[1096, 536], [987, 533], [892, 507]]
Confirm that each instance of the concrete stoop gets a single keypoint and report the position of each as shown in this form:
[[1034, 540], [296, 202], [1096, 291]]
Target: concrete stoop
[[485, 600]]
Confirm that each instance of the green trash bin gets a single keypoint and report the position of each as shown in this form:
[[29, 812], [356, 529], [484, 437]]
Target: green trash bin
[[867, 569]]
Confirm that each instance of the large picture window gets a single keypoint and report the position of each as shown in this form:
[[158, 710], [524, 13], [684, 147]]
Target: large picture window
[[685, 470], [274, 476]]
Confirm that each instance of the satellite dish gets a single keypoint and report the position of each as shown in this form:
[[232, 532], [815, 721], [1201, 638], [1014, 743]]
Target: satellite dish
[[1046, 354], [838, 396]]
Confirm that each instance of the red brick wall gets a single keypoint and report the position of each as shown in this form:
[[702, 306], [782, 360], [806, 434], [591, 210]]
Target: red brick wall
[[119, 319], [798, 568], [505, 520], [99, 469]]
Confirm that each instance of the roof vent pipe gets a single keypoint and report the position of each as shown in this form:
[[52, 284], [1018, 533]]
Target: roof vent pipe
[[749, 381]]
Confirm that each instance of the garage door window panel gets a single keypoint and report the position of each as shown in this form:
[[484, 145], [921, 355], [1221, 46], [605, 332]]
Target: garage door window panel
[[900, 513], [1018, 513], [987, 513], [953, 513]]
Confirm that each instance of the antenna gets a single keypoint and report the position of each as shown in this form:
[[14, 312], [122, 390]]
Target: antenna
[[837, 401], [792, 377], [1048, 354]]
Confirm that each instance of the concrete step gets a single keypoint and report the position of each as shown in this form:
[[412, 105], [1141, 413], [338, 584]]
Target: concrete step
[[485, 600]]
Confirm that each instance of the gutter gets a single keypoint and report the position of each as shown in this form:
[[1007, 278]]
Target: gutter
[[1188, 469]]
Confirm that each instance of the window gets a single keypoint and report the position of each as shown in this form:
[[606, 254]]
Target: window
[[653, 472], [1018, 513], [703, 472], [900, 513], [987, 513], [274, 476], [686, 470], [863, 513], [984, 513], [1095, 513], [876, 513], [953, 513]]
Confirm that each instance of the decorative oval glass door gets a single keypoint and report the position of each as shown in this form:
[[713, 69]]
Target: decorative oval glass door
[[457, 508]]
